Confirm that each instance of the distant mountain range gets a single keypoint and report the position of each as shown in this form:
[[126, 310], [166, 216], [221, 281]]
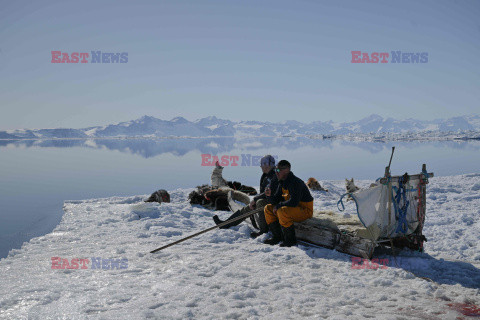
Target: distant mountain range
[[147, 126]]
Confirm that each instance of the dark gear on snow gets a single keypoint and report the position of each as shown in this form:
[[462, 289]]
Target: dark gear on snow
[[233, 216], [159, 196], [276, 234], [258, 220]]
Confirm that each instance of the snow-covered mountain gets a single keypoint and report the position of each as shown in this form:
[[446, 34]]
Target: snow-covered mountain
[[148, 126]]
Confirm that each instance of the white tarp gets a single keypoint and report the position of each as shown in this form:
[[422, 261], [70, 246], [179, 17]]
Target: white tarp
[[382, 219]]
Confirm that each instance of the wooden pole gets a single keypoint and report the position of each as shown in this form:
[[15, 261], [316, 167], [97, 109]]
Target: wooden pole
[[393, 150], [424, 195], [243, 216], [387, 176]]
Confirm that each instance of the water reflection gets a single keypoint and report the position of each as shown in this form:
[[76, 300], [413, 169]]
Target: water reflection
[[148, 148]]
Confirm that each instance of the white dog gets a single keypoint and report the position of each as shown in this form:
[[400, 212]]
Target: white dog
[[351, 187], [217, 179]]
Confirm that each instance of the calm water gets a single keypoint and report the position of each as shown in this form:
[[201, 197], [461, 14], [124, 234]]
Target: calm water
[[37, 176]]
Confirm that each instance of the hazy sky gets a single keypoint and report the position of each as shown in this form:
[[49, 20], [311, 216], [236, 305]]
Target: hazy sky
[[240, 60]]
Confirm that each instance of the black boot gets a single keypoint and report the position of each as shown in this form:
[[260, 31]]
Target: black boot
[[232, 224], [254, 235], [289, 238], [276, 232]]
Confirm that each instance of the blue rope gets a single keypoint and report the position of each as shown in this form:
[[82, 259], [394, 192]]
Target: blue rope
[[343, 206], [401, 212], [341, 202]]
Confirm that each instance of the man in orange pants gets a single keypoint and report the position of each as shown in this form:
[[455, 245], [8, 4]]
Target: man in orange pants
[[291, 202]]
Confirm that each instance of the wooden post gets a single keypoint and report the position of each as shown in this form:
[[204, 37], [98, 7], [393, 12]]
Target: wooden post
[[387, 175], [424, 196]]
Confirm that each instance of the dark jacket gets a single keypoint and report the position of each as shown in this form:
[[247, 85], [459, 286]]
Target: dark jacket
[[267, 179], [297, 189]]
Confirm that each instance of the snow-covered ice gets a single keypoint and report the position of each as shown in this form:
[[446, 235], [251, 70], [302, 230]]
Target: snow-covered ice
[[226, 274]]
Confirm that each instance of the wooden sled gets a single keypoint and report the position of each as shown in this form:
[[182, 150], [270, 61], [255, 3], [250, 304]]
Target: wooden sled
[[345, 234], [322, 230]]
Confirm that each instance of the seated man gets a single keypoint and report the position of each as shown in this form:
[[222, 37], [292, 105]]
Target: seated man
[[267, 180], [292, 202]]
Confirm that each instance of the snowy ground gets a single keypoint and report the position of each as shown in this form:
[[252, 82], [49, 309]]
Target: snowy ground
[[225, 274]]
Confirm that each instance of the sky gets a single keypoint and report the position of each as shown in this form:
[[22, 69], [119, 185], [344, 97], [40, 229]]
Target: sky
[[237, 60]]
